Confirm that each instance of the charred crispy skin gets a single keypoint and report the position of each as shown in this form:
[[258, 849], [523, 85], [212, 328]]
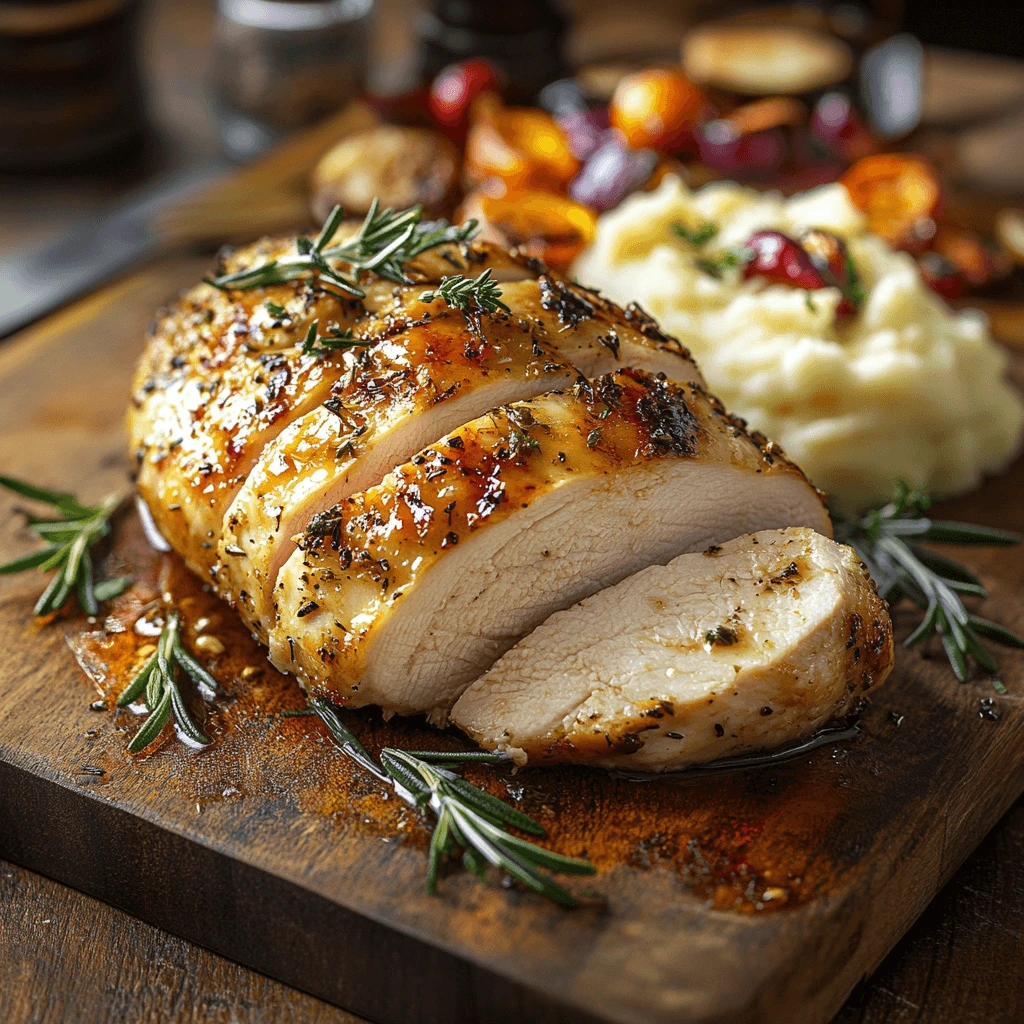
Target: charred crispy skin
[[378, 604]]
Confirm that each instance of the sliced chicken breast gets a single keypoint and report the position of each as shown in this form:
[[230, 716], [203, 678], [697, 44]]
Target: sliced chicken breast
[[223, 373], [402, 393], [403, 594], [751, 644], [443, 369]]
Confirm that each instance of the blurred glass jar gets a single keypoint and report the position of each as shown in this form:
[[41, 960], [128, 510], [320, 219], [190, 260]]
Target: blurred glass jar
[[70, 87], [283, 64]]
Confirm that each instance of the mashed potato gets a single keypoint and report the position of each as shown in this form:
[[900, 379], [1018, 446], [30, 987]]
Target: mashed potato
[[904, 389]]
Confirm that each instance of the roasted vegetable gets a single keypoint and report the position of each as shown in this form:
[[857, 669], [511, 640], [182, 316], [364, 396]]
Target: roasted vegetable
[[764, 60], [541, 224], [520, 146], [900, 194], [980, 262], [657, 109], [454, 90], [402, 166]]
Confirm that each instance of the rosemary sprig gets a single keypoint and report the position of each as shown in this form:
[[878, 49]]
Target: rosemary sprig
[[463, 292], [157, 684], [334, 340], [69, 539], [466, 816], [697, 237], [887, 541], [389, 239], [386, 241]]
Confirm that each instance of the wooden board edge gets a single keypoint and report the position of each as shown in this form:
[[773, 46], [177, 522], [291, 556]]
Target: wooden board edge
[[858, 949], [282, 930]]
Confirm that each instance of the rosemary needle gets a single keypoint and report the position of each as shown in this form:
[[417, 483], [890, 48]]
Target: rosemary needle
[[157, 683], [465, 293], [69, 539], [334, 340], [886, 539], [466, 817]]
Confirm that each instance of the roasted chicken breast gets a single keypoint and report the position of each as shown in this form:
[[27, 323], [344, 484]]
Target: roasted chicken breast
[[401, 394], [403, 594], [396, 489], [748, 645], [224, 373]]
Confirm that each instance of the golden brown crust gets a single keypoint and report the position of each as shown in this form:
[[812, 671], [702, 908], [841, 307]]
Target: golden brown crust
[[223, 373]]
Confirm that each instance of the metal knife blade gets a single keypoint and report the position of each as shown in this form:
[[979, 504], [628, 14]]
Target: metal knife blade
[[41, 280]]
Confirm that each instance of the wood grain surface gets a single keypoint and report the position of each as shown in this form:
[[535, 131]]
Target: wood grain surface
[[68, 959], [270, 849]]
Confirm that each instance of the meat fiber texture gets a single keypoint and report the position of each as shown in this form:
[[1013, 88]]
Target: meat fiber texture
[[748, 645]]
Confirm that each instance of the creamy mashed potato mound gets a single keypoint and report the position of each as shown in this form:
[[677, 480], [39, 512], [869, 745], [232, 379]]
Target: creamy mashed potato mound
[[904, 389]]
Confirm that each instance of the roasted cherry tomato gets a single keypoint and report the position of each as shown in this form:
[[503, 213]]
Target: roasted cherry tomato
[[541, 224], [453, 91], [657, 109], [778, 258], [522, 146], [944, 278], [900, 195]]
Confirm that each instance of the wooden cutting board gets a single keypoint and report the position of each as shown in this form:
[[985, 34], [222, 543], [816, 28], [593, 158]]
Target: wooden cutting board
[[762, 895]]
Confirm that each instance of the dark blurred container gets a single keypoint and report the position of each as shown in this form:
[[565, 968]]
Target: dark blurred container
[[70, 86], [282, 64], [523, 38]]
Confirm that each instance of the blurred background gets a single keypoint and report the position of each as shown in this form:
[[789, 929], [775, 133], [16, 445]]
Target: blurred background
[[134, 107]]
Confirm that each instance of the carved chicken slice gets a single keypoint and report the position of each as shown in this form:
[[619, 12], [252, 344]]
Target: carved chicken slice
[[402, 393], [223, 374], [444, 369], [746, 646], [403, 594]]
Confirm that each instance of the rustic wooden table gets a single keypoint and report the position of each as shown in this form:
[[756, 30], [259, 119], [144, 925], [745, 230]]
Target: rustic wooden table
[[66, 958]]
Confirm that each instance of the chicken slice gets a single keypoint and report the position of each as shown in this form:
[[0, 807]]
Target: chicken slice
[[746, 646], [403, 393], [222, 373], [403, 594], [596, 335]]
